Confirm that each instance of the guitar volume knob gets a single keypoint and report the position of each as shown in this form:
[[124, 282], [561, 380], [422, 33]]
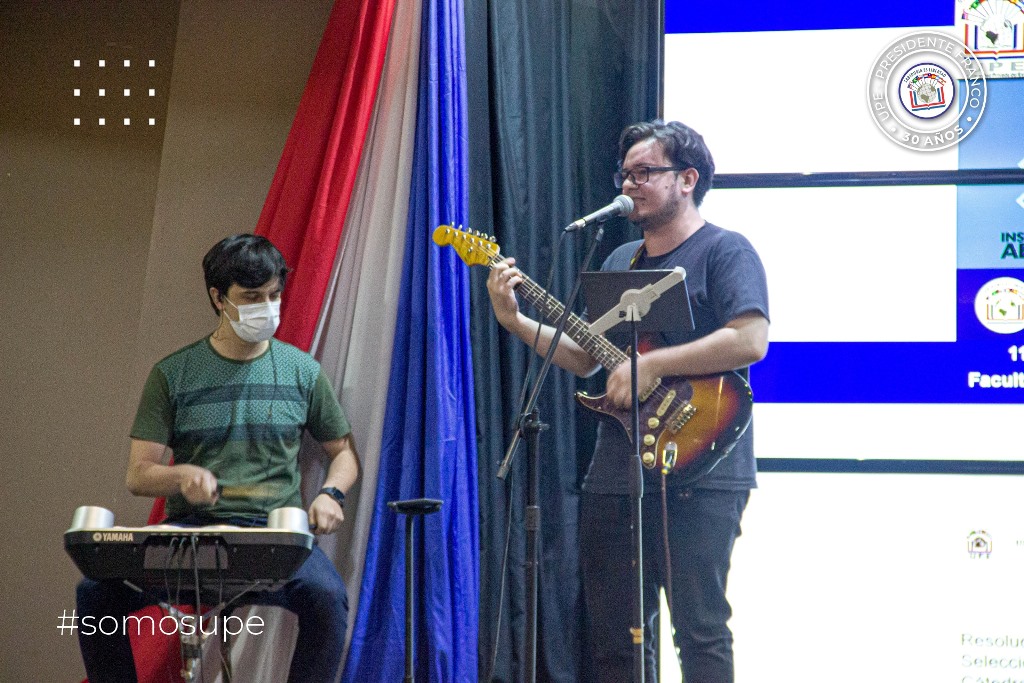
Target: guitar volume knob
[[647, 459], [653, 423], [649, 439]]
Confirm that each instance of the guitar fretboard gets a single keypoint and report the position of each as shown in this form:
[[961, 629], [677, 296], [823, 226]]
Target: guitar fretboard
[[602, 350]]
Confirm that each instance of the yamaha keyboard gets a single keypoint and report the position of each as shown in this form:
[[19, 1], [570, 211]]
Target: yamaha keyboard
[[222, 560]]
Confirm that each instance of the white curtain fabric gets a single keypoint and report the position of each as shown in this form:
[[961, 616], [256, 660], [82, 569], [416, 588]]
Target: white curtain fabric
[[354, 338]]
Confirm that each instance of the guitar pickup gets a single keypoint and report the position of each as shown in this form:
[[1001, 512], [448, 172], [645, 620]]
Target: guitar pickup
[[647, 394], [664, 406]]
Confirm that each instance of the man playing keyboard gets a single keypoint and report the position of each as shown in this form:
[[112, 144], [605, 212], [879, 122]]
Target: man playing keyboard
[[231, 409]]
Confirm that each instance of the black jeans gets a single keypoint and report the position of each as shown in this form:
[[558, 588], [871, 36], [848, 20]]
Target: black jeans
[[703, 524]]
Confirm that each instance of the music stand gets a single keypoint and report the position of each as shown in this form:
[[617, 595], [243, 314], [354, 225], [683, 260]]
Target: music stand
[[651, 302]]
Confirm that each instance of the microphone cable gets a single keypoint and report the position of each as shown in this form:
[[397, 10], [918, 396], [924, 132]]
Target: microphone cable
[[197, 645]]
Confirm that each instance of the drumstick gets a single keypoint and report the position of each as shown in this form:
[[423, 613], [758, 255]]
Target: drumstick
[[264, 490]]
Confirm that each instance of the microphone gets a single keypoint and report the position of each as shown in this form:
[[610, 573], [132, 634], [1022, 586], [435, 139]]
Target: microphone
[[620, 206]]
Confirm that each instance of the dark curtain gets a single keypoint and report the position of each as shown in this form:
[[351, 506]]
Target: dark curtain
[[550, 84]]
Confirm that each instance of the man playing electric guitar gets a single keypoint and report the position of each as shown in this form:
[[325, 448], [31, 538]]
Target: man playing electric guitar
[[666, 169]]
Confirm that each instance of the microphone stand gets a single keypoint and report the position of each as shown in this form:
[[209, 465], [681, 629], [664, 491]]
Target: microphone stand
[[529, 427]]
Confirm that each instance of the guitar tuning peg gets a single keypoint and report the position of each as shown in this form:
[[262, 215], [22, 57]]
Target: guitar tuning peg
[[460, 227]]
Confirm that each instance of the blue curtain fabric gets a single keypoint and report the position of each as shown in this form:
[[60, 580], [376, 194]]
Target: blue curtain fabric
[[429, 446]]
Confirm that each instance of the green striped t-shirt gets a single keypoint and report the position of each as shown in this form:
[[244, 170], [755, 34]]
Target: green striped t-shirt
[[242, 420]]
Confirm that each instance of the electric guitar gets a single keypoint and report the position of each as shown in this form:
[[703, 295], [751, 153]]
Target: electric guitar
[[687, 424]]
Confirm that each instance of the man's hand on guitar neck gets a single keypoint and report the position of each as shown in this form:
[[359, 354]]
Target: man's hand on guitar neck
[[501, 284], [618, 384]]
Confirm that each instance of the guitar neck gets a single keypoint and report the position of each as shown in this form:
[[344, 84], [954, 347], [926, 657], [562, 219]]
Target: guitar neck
[[551, 309]]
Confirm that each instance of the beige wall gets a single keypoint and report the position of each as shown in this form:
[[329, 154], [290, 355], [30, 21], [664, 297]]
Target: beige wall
[[101, 234]]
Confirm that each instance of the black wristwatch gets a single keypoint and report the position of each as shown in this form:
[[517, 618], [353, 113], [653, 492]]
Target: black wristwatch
[[334, 493]]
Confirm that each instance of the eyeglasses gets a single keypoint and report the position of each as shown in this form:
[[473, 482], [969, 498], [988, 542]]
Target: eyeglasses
[[641, 174]]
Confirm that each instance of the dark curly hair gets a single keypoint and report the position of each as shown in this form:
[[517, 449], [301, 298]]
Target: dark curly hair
[[682, 145]]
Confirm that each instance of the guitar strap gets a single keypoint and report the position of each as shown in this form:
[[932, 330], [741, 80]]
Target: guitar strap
[[637, 255]]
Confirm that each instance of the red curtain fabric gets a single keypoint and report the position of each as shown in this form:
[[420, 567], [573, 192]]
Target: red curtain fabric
[[309, 196], [156, 513], [158, 656]]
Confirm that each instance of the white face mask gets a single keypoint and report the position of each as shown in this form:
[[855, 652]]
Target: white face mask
[[256, 322]]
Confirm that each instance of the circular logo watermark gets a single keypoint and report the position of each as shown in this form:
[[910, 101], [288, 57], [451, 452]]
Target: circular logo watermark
[[999, 305], [927, 91]]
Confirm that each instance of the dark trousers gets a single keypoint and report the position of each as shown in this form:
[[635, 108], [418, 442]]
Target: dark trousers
[[316, 594], [703, 524]]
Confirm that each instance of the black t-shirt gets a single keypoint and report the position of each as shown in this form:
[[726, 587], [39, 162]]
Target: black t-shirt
[[724, 279]]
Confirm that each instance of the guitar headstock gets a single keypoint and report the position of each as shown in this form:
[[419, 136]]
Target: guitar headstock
[[475, 248]]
